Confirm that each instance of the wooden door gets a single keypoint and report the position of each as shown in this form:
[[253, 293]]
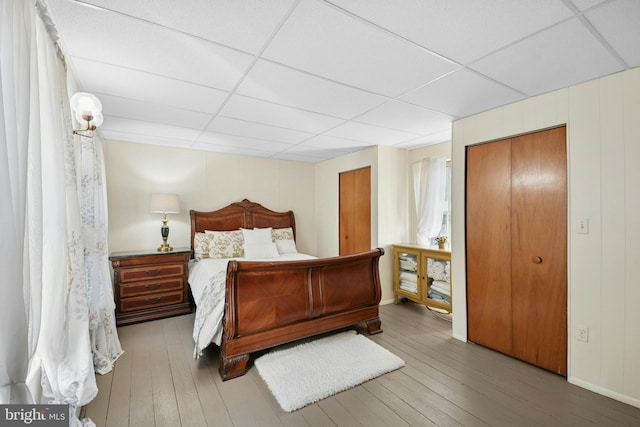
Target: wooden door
[[489, 245], [355, 211], [539, 248], [516, 217]]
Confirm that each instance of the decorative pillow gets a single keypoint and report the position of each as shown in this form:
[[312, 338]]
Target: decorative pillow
[[257, 236], [201, 246], [286, 246], [260, 250], [282, 234], [225, 244]]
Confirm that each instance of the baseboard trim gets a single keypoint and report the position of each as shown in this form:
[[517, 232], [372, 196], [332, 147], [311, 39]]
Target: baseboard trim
[[604, 391]]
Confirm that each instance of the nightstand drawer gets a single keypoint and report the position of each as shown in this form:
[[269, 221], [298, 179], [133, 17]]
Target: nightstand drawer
[[154, 286], [150, 272], [150, 301], [149, 285]]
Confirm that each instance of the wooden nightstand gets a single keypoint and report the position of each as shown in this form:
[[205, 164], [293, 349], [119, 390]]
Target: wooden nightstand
[[150, 285]]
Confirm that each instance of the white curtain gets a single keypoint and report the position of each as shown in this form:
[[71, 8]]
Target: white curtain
[[429, 187], [105, 344], [16, 49], [57, 314]]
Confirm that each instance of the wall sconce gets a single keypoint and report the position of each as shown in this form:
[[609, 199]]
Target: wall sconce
[[87, 109], [165, 203]]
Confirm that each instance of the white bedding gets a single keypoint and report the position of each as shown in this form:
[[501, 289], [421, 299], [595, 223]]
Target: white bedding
[[207, 279]]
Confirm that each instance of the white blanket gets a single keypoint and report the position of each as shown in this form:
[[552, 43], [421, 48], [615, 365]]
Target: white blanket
[[207, 279]]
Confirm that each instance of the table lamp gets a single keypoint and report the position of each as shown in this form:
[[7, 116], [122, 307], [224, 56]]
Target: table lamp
[[165, 203]]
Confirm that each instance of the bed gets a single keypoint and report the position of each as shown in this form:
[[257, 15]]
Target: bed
[[248, 301]]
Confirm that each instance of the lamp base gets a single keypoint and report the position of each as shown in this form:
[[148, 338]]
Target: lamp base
[[165, 247], [164, 230]]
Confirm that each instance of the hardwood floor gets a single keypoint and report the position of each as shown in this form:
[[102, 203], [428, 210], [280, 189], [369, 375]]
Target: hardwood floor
[[445, 383]]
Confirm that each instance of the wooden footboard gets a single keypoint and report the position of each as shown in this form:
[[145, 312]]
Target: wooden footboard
[[272, 303]]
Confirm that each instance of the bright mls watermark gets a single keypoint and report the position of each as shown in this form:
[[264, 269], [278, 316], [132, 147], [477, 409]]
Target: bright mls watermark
[[34, 415]]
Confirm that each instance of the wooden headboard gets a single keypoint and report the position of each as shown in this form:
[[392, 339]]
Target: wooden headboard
[[244, 214]]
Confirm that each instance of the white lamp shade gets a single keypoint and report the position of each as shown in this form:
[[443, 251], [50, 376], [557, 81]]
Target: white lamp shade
[[84, 103], [97, 120], [165, 203]]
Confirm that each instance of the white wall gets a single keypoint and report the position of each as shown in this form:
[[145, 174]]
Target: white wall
[[603, 137], [203, 181]]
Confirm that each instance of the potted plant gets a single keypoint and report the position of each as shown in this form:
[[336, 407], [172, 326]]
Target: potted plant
[[441, 240]]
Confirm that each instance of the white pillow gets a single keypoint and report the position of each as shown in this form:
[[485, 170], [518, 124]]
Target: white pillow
[[286, 246], [260, 250], [257, 236]]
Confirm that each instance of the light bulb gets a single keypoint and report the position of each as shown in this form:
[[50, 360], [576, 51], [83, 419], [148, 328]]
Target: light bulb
[[84, 103]]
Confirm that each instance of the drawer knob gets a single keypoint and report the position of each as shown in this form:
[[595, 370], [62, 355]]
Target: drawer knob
[[153, 273], [154, 301], [536, 260], [152, 287]]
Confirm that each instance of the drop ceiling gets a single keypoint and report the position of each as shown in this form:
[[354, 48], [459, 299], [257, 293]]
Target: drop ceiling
[[310, 80]]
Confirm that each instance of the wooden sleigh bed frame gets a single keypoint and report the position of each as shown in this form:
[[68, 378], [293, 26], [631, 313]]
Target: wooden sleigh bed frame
[[272, 303]]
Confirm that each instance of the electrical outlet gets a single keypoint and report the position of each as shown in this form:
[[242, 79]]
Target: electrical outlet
[[582, 334]]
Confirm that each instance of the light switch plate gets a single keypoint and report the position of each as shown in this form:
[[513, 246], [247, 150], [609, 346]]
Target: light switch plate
[[582, 226]]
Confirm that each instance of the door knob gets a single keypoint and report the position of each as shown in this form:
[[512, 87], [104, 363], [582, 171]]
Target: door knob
[[536, 260]]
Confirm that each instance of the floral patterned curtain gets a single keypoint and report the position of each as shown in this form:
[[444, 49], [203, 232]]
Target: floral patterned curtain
[[105, 345], [57, 317]]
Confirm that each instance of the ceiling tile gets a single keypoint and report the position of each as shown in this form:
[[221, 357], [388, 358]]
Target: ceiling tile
[[220, 139], [238, 127], [318, 153], [244, 25], [266, 113], [619, 23], [137, 127], [405, 117], [91, 33], [231, 150], [586, 4], [473, 93], [561, 56], [100, 78], [372, 135], [114, 135], [283, 85], [461, 30], [154, 113], [321, 40], [423, 141], [337, 75], [304, 158], [333, 143]]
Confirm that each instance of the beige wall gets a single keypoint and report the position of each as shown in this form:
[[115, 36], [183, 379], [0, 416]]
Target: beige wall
[[208, 181], [204, 181], [388, 204], [603, 134]]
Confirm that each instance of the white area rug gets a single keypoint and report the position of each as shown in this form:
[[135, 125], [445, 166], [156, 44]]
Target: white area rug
[[312, 371]]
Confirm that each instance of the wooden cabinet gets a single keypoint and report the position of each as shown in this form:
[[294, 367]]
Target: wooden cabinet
[[422, 275], [150, 285], [516, 224]]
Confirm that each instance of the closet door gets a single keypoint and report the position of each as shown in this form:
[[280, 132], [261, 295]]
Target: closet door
[[489, 245], [539, 248], [355, 211], [517, 247]]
